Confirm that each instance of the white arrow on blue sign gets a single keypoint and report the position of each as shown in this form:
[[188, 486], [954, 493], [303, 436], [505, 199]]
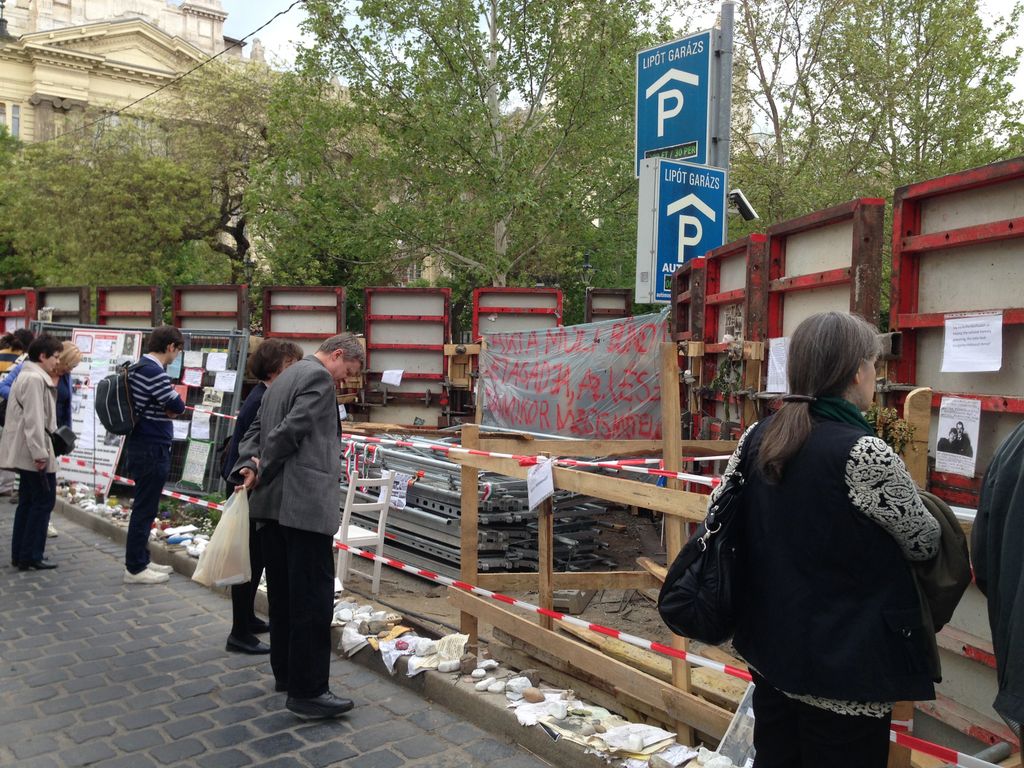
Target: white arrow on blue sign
[[673, 93], [682, 211]]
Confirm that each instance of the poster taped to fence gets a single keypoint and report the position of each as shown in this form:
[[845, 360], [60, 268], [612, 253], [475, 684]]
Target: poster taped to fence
[[595, 381], [956, 445], [96, 453]]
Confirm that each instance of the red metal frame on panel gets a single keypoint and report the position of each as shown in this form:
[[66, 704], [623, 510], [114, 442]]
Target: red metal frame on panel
[[269, 308], [754, 251], [864, 274], [104, 316], [621, 297], [25, 315], [910, 245], [443, 319], [80, 292], [240, 314], [513, 309], [688, 301]]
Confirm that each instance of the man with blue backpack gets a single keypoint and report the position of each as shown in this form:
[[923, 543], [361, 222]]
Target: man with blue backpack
[[147, 450]]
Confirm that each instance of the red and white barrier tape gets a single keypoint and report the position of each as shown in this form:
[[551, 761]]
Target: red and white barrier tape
[[626, 466], [211, 412], [128, 481], [951, 756], [639, 642], [897, 735]]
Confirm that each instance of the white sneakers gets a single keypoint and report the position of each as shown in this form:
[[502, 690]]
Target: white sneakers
[[160, 568], [146, 576], [51, 532]]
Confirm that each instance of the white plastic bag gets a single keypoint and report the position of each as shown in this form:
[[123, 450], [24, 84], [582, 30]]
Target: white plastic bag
[[225, 561]]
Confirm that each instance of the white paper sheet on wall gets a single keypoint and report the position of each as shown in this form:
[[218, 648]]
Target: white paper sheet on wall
[[778, 357], [217, 361], [225, 381], [973, 343]]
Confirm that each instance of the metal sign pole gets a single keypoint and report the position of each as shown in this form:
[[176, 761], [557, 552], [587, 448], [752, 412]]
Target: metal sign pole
[[722, 136]]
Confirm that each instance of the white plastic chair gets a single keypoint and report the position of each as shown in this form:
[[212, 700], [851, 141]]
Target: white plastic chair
[[357, 536]]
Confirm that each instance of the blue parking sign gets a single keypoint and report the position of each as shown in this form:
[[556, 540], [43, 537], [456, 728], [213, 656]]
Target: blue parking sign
[[673, 95], [682, 214]]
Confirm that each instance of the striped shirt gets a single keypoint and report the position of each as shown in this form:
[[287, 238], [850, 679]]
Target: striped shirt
[[153, 396]]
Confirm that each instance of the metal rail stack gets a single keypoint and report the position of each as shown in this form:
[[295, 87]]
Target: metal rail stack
[[426, 532]]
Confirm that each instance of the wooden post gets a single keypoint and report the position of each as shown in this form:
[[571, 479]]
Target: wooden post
[[674, 527], [917, 411], [545, 559], [753, 355], [468, 523]]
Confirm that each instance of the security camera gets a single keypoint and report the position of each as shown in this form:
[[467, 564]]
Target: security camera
[[743, 206]]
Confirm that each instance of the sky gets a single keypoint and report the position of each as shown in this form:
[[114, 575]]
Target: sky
[[280, 37]]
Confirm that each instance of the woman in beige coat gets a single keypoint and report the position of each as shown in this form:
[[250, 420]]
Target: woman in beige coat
[[26, 448]]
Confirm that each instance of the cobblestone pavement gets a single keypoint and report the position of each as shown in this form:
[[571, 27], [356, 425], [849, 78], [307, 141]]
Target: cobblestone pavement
[[94, 672]]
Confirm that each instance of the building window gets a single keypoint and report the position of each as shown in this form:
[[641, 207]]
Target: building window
[[3, 115], [413, 272], [15, 120]]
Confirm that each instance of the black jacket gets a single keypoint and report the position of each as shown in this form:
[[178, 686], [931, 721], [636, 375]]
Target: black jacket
[[997, 552], [829, 607]]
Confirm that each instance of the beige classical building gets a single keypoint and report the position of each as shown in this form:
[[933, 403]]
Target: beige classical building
[[64, 57]]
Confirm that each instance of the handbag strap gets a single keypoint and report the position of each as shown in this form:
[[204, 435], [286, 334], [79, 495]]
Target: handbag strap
[[737, 480]]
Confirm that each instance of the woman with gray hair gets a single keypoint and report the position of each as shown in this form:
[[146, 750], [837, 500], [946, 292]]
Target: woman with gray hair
[[828, 615], [25, 447]]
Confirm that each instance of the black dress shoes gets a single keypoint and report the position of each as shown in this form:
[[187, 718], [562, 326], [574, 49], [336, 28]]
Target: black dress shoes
[[323, 707], [258, 626], [246, 645], [36, 565]]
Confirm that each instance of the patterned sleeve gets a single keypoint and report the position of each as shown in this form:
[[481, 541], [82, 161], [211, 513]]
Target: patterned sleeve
[[732, 466], [880, 487]]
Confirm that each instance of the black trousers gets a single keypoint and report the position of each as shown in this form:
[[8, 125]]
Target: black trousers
[[300, 590], [791, 734], [244, 595]]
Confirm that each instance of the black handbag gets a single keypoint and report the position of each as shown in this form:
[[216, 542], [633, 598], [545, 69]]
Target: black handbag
[[63, 441], [697, 598]]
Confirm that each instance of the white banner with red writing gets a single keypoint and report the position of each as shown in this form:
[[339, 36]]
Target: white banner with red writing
[[596, 381]]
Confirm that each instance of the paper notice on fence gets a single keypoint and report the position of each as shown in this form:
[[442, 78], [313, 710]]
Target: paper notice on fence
[[212, 398], [225, 380], [193, 359], [973, 343], [217, 361], [540, 482], [193, 377], [201, 424], [393, 378], [778, 357], [180, 427], [956, 445], [195, 462]]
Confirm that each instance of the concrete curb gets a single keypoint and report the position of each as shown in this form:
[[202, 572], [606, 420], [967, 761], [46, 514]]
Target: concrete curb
[[487, 711]]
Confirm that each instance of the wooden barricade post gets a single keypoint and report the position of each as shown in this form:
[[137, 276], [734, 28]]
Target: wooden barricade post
[[675, 528], [468, 532]]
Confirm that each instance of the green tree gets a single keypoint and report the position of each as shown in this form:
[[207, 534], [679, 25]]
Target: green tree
[[15, 270], [214, 123], [844, 98], [104, 210], [495, 136]]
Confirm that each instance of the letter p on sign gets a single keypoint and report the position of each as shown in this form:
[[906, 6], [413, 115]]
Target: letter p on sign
[[667, 114], [675, 95]]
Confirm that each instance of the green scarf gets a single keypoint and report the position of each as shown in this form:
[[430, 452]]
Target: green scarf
[[841, 409]]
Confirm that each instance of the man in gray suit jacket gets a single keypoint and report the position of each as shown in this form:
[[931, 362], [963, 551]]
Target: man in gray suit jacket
[[290, 461]]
